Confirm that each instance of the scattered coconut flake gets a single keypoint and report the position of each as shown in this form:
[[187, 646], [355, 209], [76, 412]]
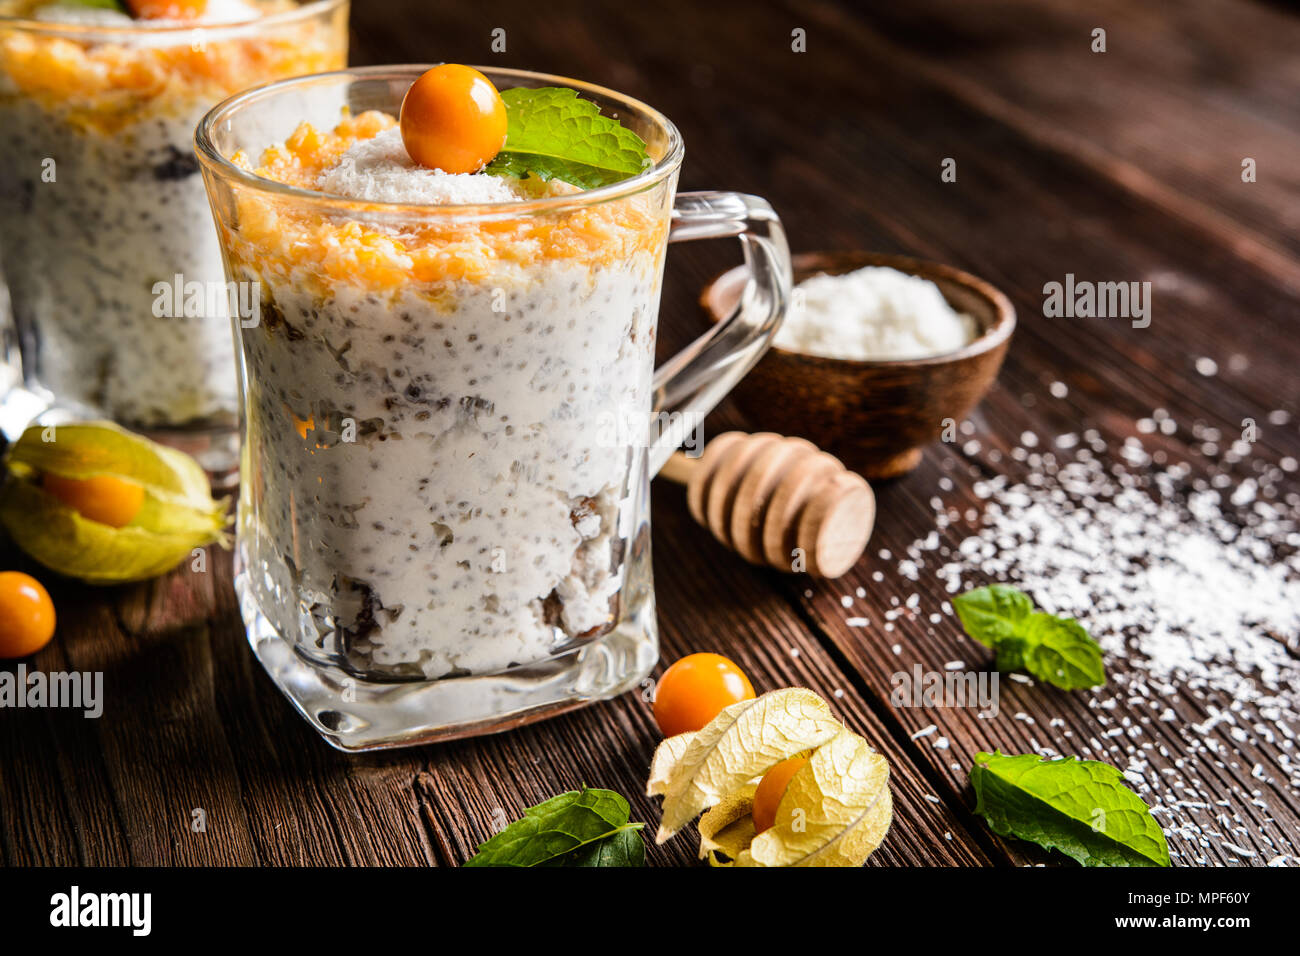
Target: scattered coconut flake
[[1239, 850], [1190, 580]]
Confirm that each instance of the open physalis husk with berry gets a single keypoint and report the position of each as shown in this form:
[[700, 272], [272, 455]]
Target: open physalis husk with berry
[[174, 514], [835, 811]]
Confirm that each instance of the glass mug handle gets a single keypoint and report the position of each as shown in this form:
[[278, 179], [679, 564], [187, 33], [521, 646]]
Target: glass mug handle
[[18, 406], [692, 382]]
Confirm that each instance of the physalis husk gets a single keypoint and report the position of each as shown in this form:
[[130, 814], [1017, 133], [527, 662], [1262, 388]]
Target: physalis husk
[[177, 515], [835, 811]]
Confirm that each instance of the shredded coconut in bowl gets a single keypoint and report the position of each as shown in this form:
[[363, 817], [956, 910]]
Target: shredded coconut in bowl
[[379, 169], [873, 314]]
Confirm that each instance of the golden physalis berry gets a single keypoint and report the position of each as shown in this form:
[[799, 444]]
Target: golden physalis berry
[[104, 498], [770, 791], [26, 615], [695, 689], [453, 119], [167, 9]]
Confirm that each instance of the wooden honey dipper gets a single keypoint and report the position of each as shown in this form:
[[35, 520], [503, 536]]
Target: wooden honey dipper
[[764, 495]]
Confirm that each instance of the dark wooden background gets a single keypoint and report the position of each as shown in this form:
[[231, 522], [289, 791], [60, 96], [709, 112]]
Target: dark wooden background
[[1120, 165]]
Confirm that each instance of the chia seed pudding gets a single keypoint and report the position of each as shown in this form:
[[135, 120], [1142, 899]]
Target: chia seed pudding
[[104, 208], [428, 489]]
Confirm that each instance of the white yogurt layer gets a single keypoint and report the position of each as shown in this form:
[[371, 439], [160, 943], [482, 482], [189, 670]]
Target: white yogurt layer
[[873, 314], [474, 522]]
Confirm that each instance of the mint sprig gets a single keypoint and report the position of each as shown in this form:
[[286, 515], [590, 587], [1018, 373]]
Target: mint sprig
[[1054, 649], [552, 133], [117, 5], [1080, 807], [579, 829]]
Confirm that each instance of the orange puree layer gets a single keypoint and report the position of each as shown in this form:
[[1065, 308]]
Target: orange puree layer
[[393, 249], [107, 85]]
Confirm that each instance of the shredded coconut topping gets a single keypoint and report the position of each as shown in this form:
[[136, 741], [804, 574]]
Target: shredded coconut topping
[[216, 11], [379, 169]]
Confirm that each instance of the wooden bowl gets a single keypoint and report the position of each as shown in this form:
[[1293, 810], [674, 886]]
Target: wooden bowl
[[873, 416]]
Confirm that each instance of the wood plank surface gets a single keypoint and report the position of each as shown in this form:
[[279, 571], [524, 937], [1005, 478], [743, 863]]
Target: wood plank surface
[[1123, 166]]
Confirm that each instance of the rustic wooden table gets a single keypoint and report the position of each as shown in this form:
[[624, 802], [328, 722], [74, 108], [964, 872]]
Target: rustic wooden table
[[1124, 165]]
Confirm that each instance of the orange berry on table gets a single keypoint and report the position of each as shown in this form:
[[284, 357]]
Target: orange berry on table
[[26, 615], [167, 9], [695, 689], [770, 791], [453, 119], [103, 498]]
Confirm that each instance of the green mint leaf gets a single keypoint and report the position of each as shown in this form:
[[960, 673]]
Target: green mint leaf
[[556, 827], [551, 133], [1011, 655], [1080, 807], [1057, 650], [1062, 653], [624, 848], [117, 5], [992, 614]]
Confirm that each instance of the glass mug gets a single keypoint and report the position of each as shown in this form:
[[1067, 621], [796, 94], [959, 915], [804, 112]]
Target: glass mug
[[448, 413], [114, 273]]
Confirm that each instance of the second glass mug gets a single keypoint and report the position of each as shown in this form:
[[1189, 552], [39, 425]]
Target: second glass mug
[[114, 273], [447, 420]]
